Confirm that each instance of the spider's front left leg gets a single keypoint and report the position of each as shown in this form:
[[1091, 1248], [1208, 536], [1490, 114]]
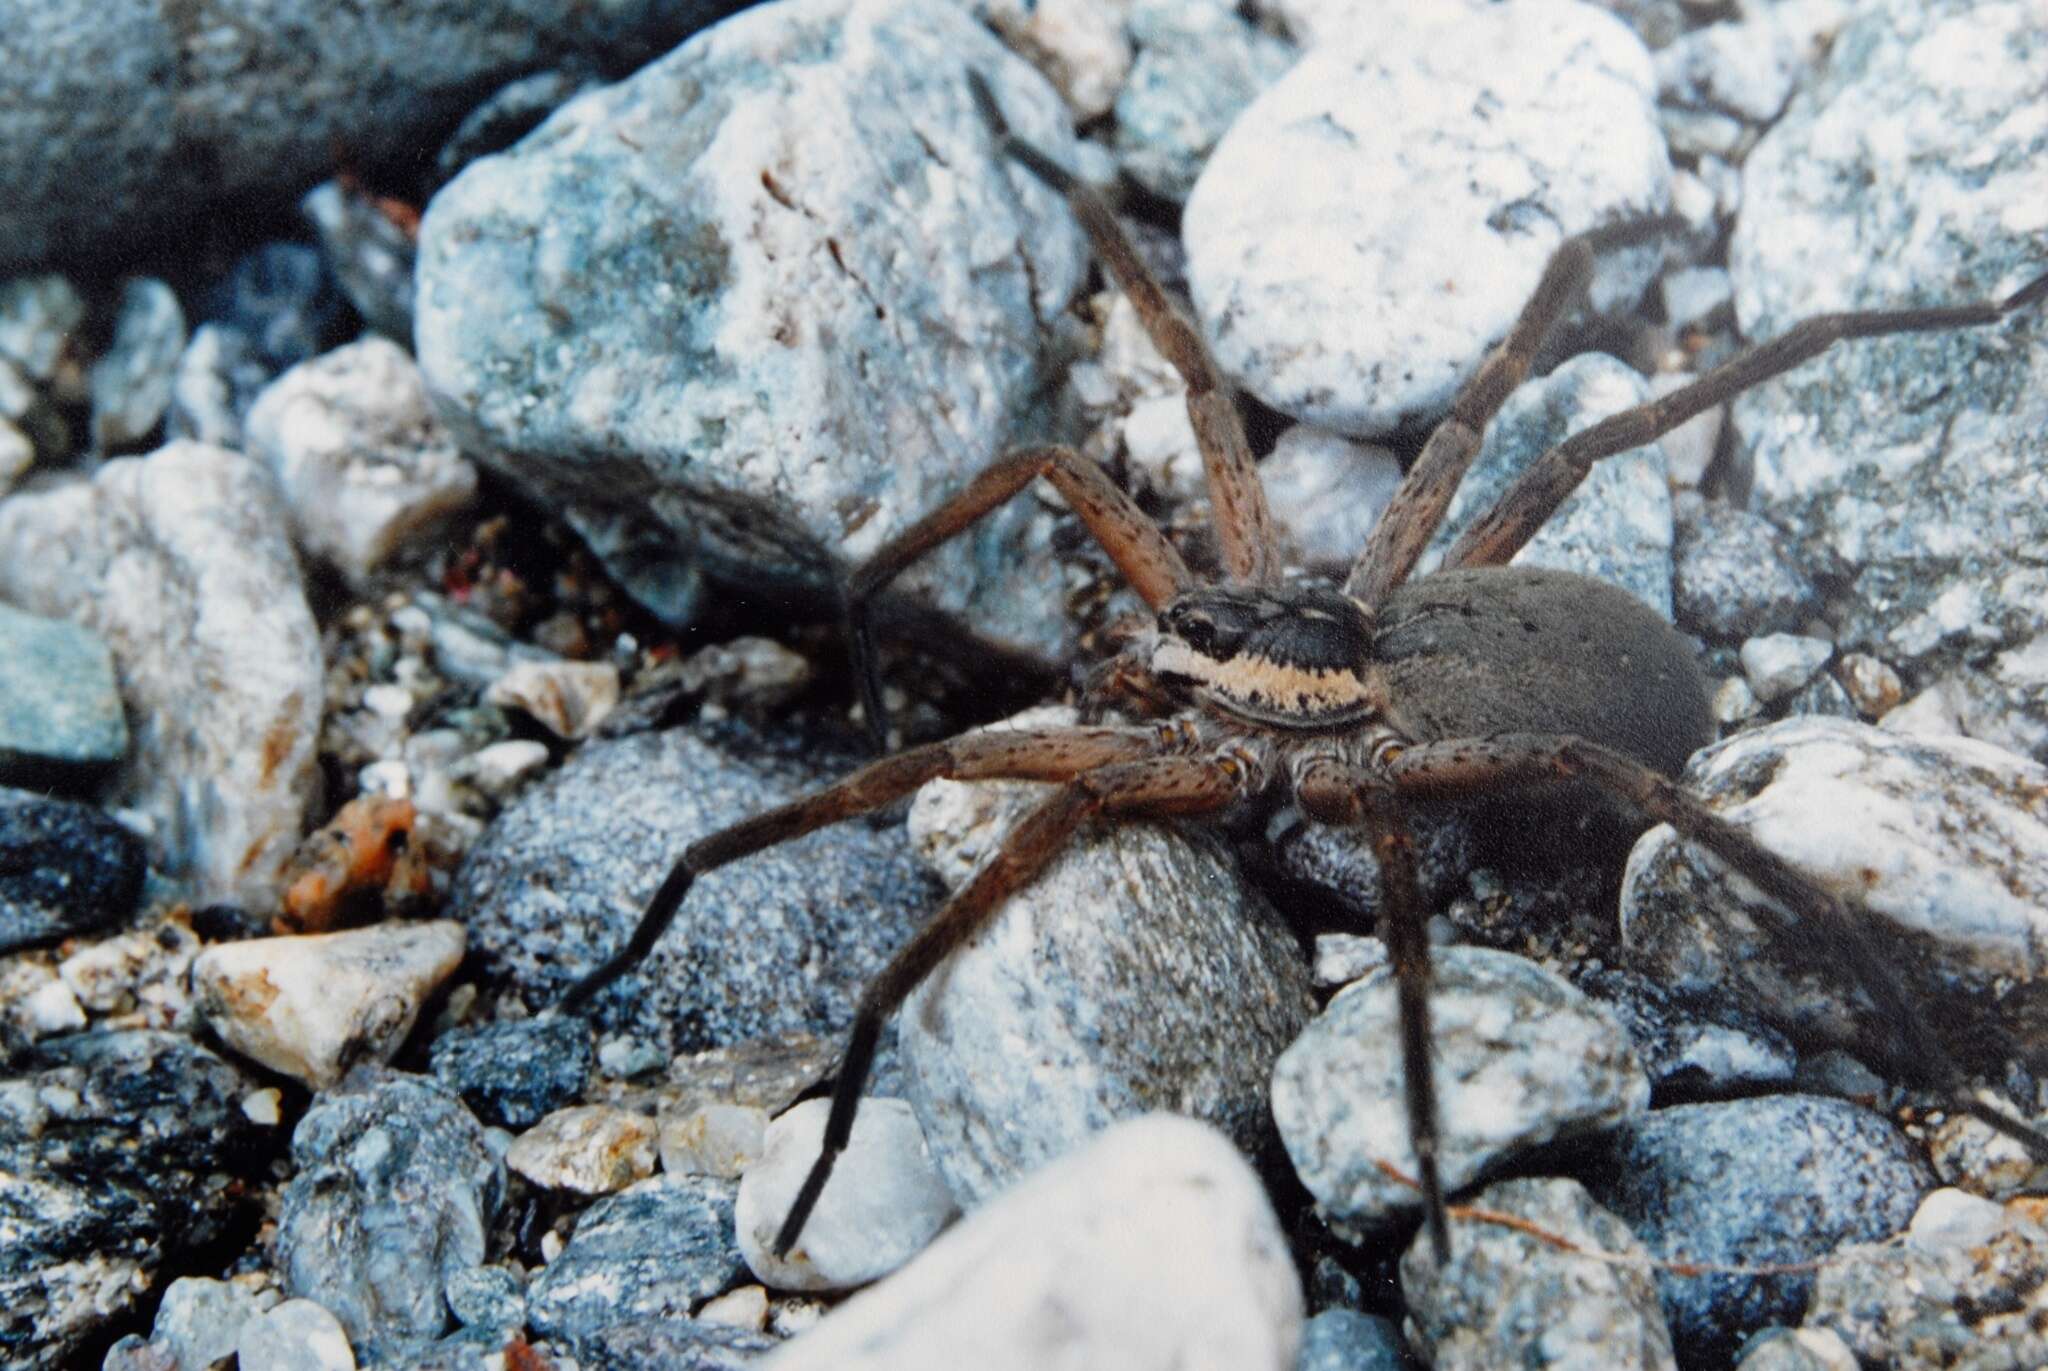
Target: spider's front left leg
[[1483, 765], [1154, 787]]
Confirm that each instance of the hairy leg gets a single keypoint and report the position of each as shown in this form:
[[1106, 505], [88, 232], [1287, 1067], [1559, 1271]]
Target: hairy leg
[[1154, 786]]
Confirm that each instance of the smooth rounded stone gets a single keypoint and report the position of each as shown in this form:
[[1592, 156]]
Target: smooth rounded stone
[[65, 869], [1375, 220], [654, 1250], [780, 941], [1521, 1058], [571, 699], [131, 380], [218, 377], [1733, 701], [298, 1335], [371, 256], [144, 122], [314, 1005], [1346, 1340], [1941, 1301], [396, 1188], [884, 1203], [1692, 294], [60, 711], [363, 463], [1797, 1349], [1910, 466], [179, 560], [40, 317], [1617, 526], [1153, 1246], [604, 305], [514, 1072], [131, 1353], [1138, 972], [1687, 1042], [1777, 1179], [1199, 64], [589, 1149], [1734, 578], [1779, 663], [201, 1320], [1940, 845], [674, 1345], [716, 1140], [1328, 491], [1507, 1298]]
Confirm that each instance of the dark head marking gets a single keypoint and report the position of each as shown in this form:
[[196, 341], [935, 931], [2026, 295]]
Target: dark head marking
[[1291, 657]]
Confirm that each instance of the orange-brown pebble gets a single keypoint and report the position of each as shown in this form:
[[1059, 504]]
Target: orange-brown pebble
[[365, 846]]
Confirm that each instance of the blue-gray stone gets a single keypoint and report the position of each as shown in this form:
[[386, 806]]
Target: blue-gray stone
[[654, 1250], [1199, 64], [60, 712], [1346, 1340], [65, 868], [675, 1345], [515, 1072]]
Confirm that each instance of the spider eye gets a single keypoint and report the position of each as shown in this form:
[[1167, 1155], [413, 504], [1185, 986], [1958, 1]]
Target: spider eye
[[1195, 628]]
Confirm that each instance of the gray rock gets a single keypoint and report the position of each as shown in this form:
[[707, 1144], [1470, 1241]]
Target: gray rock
[[1376, 219], [144, 121], [281, 298], [180, 562], [396, 1189], [60, 713], [361, 460], [1687, 1042], [39, 321], [1783, 1178], [1823, 695], [1693, 294], [131, 380], [1507, 1298], [1938, 844], [780, 941], [605, 305], [1521, 1058], [1152, 1247], [371, 257], [514, 1072], [713, 1140], [298, 1335], [1328, 491], [65, 869], [674, 1345], [131, 1353], [1779, 663], [654, 1250], [218, 378], [1797, 1349], [1734, 578], [487, 1297], [1616, 526], [1717, 84], [1346, 1340], [1138, 972], [1909, 467], [200, 1320], [1199, 64]]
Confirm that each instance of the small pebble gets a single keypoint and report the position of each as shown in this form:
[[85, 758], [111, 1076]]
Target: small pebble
[[61, 722], [65, 869], [1874, 686], [202, 1320], [587, 1149], [570, 698], [716, 1140], [1779, 663], [1346, 1340], [261, 1106], [515, 1071], [657, 1249], [1734, 701], [1342, 958], [131, 381], [746, 1307], [1797, 1349], [298, 1335]]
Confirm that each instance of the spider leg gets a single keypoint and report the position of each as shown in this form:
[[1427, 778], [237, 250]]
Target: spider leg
[[1244, 527], [1154, 786], [1034, 754], [1500, 533], [1479, 765], [1140, 551], [1337, 792]]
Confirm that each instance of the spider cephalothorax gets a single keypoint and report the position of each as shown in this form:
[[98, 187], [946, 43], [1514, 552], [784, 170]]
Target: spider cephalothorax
[[1476, 679]]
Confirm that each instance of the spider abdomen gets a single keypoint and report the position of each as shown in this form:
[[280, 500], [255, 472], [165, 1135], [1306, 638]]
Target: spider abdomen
[[1488, 650]]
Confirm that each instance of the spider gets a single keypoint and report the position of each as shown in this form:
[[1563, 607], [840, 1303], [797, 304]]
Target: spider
[[1356, 700]]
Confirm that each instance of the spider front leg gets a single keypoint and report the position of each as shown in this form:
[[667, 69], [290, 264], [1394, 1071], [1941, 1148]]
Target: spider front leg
[[1502, 531], [1484, 765], [1155, 786], [1026, 754]]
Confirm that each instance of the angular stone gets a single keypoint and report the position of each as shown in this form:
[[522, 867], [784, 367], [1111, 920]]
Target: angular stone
[[60, 712]]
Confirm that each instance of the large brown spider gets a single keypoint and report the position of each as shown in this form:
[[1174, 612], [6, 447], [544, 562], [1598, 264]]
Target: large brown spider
[[1475, 679]]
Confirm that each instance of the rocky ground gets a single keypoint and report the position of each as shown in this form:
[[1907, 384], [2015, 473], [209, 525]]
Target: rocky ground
[[429, 441]]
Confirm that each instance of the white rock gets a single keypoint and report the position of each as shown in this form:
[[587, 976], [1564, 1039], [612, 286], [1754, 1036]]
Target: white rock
[[570, 698], [1692, 293], [1871, 683], [1078, 44], [1734, 701], [500, 768], [131, 381], [313, 1006], [884, 1203], [1949, 1217], [1779, 663], [1153, 1248], [180, 562], [1342, 958], [1376, 219], [592, 1149], [746, 1307], [1328, 491], [364, 463], [714, 1140], [298, 1335]]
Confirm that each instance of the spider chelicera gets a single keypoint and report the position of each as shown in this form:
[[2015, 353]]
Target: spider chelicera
[[1475, 679]]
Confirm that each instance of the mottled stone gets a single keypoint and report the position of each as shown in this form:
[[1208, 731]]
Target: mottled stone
[[65, 869], [570, 698], [1690, 1043], [1735, 579], [131, 380], [1521, 1058], [1199, 64], [654, 1250], [1346, 1340], [1328, 491], [514, 1072], [715, 1140], [201, 1320], [298, 1335], [589, 1149]]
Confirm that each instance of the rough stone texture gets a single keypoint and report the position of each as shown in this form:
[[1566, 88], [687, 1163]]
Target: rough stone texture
[[361, 460], [590, 1149], [1346, 1340], [395, 1191], [298, 1335], [131, 380], [1521, 1058], [1689, 1042], [1199, 64], [1153, 1247], [1783, 1178], [1138, 972], [201, 1320], [60, 713], [800, 204], [371, 256], [1797, 1349], [313, 1006], [1506, 1298], [1328, 492], [64, 869], [514, 1072], [1616, 526], [1912, 468], [150, 104], [1734, 578], [1376, 219], [779, 941], [1940, 845], [179, 561], [714, 1140], [654, 1250], [1779, 663]]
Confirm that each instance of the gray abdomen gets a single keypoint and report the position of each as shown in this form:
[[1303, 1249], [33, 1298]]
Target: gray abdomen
[[1521, 650]]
